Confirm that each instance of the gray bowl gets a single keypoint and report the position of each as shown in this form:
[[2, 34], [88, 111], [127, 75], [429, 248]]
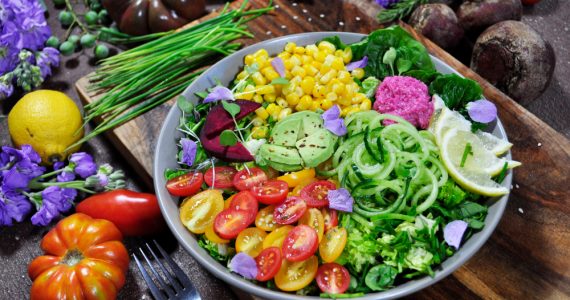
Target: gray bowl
[[225, 71]]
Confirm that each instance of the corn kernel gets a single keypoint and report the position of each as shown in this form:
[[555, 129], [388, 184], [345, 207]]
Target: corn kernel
[[282, 102], [248, 59], [257, 98], [307, 84], [320, 56], [304, 103], [358, 98], [358, 73], [366, 104], [319, 91], [247, 93], [260, 61], [306, 59], [265, 89], [327, 47], [269, 73], [288, 63], [258, 79], [261, 53], [338, 64], [261, 113], [241, 75], [332, 96], [284, 55], [338, 53], [272, 108], [297, 59], [317, 64], [328, 77], [290, 47], [352, 110], [269, 98], [347, 55], [289, 88], [298, 71], [310, 70], [338, 88], [344, 76], [315, 105], [292, 99], [259, 132], [284, 113], [350, 90], [257, 122], [311, 49], [326, 104], [299, 50]]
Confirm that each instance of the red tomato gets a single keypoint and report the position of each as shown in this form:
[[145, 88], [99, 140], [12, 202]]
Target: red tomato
[[230, 222], [185, 185], [245, 180], [268, 263], [331, 218], [220, 177], [245, 201], [301, 243], [271, 192], [133, 213], [530, 2], [316, 193], [333, 278], [289, 211]]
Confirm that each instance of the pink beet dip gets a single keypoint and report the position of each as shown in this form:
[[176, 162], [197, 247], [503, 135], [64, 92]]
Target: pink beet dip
[[406, 97]]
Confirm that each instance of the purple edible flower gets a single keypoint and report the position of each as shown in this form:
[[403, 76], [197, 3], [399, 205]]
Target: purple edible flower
[[331, 113], [27, 27], [453, 232], [279, 66], [333, 122], [386, 3], [6, 90], [189, 148], [84, 164], [55, 200], [340, 199], [244, 265], [47, 58], [13, 206], [65, 176], [219, 93], [8, 57], [482, 111], [357, 64]]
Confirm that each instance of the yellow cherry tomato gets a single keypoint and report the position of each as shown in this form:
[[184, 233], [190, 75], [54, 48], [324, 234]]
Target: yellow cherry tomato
[[250, 241], [213, 237], [276, 237], [315, 220], [333, 243], [293, 276], [199, 211], [228, 201], [264, 219], [297, 190], [293, 179]]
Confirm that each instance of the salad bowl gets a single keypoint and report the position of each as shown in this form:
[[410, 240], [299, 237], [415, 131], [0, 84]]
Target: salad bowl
[[225, 71]]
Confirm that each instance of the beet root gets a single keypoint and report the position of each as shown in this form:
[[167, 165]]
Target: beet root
[[514, 58], [437, 22], [476, 15]]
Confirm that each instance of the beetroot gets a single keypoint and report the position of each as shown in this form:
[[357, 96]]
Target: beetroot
[[477, 15], [439, 23], [219, 120], [235, 153]]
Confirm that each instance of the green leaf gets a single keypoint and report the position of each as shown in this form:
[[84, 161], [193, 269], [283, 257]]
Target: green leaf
[[251, 68], [232, 108], [390, 56], [381, 277], [280, 80], [455, 91], [335, 40], [228, 138], [202, 95], [173, 173], [403, 65], [184, 105]]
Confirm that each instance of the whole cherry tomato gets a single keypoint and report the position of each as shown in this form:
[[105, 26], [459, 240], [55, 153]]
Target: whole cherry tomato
[[84, 259], [134, 213]]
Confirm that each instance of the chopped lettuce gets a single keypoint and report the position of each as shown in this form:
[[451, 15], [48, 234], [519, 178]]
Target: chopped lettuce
[[219, 252], [369, 87], [361, 248]]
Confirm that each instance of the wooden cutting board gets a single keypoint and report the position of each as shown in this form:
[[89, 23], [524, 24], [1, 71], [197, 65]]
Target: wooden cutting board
[[527, 257]]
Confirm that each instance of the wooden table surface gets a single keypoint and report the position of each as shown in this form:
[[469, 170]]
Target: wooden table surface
[[526, 258]]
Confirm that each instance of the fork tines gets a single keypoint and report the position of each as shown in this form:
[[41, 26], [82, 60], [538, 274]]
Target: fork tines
[[178, 286]]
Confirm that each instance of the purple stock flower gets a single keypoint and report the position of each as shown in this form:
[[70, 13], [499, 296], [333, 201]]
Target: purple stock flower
[[8, 57], [357, 64], [58, 165], [84, 164], [219, 93], [65, 176], [340, 199], [244, 265], [189, 148], [13, 206], [55, 200], [6, 89], [26, 28], [47, 58], [25, 167], [386, 3], [279, 66]]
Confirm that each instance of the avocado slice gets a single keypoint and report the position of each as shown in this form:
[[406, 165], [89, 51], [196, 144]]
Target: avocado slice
[[316, 148], [285, 167], [280, 154], [285, 132]]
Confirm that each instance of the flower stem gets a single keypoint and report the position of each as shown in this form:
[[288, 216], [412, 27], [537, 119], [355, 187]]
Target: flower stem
[[75, 18]]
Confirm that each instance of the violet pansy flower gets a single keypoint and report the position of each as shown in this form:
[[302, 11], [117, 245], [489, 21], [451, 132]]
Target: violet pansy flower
[[482, 111], [189, 148], [279, 66], [340, 199], [219, 93], [453, 232], [333, 122], [357, 64], [244, 265]]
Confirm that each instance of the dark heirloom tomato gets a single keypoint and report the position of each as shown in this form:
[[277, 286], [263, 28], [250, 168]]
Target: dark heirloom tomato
[[84, 259], [185, 185], [139, 17], [316, 193], [220, 177], [333, 278]]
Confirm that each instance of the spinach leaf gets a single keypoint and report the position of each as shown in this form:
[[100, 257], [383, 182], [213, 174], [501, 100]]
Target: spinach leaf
[[380, 277], [423, 75], [455, 91]]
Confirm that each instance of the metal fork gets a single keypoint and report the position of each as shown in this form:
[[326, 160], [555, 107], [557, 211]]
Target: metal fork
[[180, 286]]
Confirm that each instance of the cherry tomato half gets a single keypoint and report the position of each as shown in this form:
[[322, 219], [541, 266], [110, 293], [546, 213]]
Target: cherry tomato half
[[333, 244], [316, 193], [333, 278], [314, 219], [330, 216], [250, 241], [220, 177], [290, 211], [268, 263], [276, 237], [245, 201], [198, 211], [213, 237], [245, 180], [185, 185], [264, 219], [230, 222], [300, 243], [293, 179], [271, 191], [294, 276]]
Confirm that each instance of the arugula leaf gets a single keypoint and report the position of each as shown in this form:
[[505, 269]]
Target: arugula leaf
[[228, 138], [184, 104], [279, 80], [232, 108]]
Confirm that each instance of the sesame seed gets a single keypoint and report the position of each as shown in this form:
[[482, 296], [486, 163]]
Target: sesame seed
[[521, 210], [309, 19], [341, 23], [517, 185], [295, 4], [322, 15], [277, 6], [539, 144], [268, 33], [357, 18], [295, 17], [304, 11], [283, 26]]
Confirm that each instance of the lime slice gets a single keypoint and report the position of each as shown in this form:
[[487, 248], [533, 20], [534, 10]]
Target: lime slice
[[494, 144], [477, 169]]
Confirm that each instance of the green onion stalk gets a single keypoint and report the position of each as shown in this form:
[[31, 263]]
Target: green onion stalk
[[137, 80]]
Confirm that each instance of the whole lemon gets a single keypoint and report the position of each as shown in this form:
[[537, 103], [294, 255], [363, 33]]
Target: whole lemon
[[48, 121]]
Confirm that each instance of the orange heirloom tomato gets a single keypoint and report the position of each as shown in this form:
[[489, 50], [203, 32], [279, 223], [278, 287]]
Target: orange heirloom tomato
[[84, 259], [293, 179]]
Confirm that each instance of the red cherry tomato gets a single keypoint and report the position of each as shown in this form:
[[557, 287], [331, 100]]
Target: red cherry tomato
[[331, 218], [268, 263], [245, 201], [230, 222], [185, 185], [333, 278], [220, 177], [245, 180], [289, 211], [316, 193], [301, 243], [271, 192]]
